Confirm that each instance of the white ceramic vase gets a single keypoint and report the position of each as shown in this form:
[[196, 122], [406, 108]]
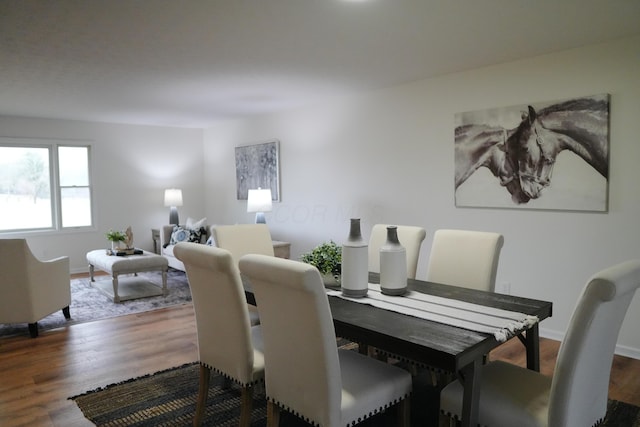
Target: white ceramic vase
[[393, 264], [355, 263]]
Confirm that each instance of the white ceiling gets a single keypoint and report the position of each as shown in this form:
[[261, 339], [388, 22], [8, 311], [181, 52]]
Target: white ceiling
[[190, 63]]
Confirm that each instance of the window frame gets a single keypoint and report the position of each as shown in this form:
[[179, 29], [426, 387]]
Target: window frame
[[53, 145]]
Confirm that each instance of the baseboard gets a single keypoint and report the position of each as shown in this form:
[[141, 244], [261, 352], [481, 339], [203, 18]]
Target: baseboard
[[621, 350]]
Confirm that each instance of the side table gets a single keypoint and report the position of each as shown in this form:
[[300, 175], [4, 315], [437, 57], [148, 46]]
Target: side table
[[281, 249], [155, 236]]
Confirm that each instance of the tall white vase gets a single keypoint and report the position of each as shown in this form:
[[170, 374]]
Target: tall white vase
[[393, 264], [355, 263]]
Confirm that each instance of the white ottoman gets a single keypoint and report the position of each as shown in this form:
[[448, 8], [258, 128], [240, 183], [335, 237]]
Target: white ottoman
[[130, 264]]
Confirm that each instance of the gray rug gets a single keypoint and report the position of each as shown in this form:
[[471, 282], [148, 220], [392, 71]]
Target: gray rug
[[89, 303]]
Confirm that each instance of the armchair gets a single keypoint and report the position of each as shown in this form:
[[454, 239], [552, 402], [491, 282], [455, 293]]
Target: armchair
[[31, 289]]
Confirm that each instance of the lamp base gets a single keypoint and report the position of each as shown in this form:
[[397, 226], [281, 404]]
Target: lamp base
[[173, 215], [260, 218]]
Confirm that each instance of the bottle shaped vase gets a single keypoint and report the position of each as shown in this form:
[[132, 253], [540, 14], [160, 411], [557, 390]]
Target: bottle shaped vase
[[355, 263], [393, 264]]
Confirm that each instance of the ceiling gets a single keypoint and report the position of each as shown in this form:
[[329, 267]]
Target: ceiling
[[191, 63]]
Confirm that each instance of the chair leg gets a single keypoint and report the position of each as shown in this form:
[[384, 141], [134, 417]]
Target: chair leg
[[203, 393], [33, 329], [66, 313], [446, 421], [273, 414], [404, 413], [246, 402]]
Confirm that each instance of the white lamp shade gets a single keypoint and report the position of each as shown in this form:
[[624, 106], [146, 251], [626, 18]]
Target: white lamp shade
[[259, 200], [173, 197]]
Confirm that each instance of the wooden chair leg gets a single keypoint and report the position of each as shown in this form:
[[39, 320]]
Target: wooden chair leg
[[404, 413], [273, 414], [203, 393], [446, 421], [246, 402]]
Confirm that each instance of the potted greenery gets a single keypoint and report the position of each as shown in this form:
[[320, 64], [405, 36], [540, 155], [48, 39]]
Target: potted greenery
[[327, 258], [115, 237]]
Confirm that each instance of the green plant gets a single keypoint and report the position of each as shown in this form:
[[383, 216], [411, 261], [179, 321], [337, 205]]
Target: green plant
[[116, 236], [326, 257]]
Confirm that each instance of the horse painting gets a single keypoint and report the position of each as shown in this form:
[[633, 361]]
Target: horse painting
[[523, 157]]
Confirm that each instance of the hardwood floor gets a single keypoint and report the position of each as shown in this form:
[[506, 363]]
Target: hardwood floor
[[39, 375]]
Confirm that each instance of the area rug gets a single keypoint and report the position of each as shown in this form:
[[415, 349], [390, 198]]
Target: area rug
[[168, 399], [89, 303]]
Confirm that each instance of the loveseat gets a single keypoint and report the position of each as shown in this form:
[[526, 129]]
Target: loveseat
[[192, 231]]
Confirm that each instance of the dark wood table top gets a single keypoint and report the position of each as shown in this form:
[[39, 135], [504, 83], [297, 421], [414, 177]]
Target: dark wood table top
[[444, 346]]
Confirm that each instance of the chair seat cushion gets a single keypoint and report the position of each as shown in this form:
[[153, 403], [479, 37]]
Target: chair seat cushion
[[510, 396], [369, 383]]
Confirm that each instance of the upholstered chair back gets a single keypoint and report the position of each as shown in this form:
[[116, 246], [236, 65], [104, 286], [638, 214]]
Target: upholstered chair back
[[465, 258], [222, 318], [580, 385], [306, 373], [302, 368], [410, 237], [242, 239]]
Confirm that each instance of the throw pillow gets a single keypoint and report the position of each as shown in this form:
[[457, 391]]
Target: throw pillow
[[195, 225], [181, 234]]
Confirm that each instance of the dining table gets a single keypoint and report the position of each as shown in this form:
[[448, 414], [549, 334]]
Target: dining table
[[437, 344]]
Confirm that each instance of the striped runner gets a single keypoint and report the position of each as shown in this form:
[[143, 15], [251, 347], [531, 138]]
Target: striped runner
[[503, 324]]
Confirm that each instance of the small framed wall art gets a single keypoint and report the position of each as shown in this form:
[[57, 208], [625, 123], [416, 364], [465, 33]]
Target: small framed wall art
[[258, 166]]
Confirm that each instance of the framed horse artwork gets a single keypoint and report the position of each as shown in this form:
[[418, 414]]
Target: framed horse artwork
[[552, 155]]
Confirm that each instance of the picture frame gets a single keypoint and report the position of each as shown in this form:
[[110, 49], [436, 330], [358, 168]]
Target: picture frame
[[550, 155], [258, 166]]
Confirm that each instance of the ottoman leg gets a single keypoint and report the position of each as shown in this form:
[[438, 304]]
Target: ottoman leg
[[91, 270], [116, 297]]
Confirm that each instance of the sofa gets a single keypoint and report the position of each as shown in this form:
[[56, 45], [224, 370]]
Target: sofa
[[192, 231]]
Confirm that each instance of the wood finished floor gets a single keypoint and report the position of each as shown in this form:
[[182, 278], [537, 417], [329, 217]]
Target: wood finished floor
[[38, 375]]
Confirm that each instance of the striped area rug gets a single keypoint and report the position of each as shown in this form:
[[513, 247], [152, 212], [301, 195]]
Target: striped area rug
[[168, 398]]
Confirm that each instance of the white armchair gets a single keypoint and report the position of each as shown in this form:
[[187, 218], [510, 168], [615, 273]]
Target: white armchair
[[31, 289]]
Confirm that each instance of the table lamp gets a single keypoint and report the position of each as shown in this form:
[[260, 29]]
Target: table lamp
[[173, 199], [259, 201]]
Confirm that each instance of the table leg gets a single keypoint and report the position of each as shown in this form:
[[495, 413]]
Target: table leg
[[532, 343], [116, 297], [91, 270], [470, 377]]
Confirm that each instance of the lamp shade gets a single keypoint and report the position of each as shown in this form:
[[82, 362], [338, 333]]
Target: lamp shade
[[173, 197], [259, 200]]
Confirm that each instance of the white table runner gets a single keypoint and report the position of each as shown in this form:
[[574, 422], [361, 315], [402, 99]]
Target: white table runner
[[501, 323]]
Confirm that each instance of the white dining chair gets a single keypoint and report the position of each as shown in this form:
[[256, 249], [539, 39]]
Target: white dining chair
[[411, 237], [227, 343], [465, 258], [242, 239], [577, 393], [306, 373]]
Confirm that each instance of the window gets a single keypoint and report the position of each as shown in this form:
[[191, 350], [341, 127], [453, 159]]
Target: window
[[44, 185]]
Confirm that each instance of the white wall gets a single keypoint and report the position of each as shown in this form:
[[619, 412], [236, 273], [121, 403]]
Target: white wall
[[131, 167], [387, 156]]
